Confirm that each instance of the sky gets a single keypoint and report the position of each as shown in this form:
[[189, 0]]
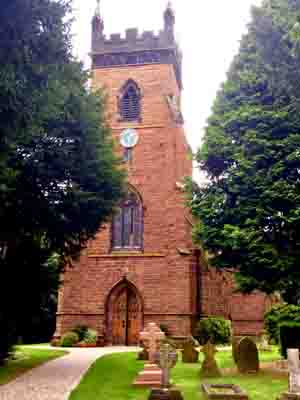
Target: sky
[[208, 32]]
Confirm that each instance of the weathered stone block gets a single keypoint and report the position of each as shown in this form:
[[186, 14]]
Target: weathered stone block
[[161, 394], [247, 356], [223, 392]]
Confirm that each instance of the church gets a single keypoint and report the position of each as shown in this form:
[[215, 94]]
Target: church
[[143, 267]]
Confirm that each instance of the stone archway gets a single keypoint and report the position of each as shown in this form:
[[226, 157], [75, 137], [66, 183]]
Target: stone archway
[[124, 315]]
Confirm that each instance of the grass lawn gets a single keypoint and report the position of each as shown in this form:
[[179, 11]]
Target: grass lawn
[[26, 357], [111, 377]]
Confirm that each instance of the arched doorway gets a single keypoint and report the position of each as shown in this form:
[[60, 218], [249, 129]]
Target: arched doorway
[[124, 315]]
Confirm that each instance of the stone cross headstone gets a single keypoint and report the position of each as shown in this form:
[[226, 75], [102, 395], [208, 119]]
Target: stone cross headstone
[[294, 370], [209, 368], [247, 356], [152, 336], [166, 359]]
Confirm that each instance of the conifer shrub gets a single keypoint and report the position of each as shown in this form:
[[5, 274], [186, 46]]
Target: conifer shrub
[[278, 315], [69, 339], [289, 333], [216, 330]]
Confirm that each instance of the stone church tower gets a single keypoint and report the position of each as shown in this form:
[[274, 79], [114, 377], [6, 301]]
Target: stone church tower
[[142, 266]]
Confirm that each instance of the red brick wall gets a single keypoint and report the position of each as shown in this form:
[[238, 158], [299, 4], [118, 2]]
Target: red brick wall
[[219, 298]]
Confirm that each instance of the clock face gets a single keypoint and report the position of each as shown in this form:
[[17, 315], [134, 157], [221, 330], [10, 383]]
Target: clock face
[[129, 138]]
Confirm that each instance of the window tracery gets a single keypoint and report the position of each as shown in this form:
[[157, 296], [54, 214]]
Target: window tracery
[[127, 224], [130, 102]]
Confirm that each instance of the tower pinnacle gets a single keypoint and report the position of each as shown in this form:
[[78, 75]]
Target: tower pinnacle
[[97, 25], [169, 19], [97, 10]]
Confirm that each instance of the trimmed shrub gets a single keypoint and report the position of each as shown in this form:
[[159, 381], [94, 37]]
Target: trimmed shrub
[[289, 333], [90, 337], [278, 315], [217, 330], [81, 331], [69, 339]]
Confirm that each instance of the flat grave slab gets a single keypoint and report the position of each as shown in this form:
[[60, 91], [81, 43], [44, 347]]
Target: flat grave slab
[[165, 394], [223, 392]]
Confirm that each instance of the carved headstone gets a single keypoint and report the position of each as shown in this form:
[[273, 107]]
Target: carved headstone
[[209, 367], [294, 370], [166, 359], [189, 353], [247, 356], [151, 338], [151, 376], [294, 376]]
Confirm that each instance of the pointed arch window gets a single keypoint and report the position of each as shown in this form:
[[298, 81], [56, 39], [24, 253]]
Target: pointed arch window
[[130, 102], [127, 224]]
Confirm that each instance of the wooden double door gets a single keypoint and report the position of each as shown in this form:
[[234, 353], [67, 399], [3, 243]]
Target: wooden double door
[[126, 318]]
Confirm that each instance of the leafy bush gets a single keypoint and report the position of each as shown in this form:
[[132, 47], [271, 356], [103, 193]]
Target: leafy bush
[[81, 331], [217, 330], [279, 315], [69, 339], [90, 337], [289, 333]]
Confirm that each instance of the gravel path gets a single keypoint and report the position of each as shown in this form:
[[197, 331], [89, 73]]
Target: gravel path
[[57, 378]]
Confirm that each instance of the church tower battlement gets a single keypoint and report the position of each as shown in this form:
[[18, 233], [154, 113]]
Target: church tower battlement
[[135, 48]]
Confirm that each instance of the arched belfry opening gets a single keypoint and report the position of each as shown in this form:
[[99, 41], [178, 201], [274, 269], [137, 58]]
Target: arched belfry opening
[[130, 101], [124, 314]]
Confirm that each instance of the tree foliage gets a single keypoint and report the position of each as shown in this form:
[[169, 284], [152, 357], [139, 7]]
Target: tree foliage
[[279, 314], [216, 330], [249, 207], [59, 178]]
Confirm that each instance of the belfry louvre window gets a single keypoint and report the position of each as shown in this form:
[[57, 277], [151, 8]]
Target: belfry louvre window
[[127, 224], [130, 102]]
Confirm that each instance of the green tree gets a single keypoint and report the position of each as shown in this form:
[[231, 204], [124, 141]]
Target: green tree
[[249, 207], [59, 178]]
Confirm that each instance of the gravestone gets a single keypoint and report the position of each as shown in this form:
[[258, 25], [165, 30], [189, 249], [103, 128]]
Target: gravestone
[[294, 376], [163, 394], [209, 367], [294, 370], [151, 376], [151, 338], [223, 392], [166, 359], [247, 356], [189, 353]]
